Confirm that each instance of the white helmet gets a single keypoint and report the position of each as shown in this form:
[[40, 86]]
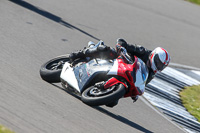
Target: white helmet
[[159, 59]]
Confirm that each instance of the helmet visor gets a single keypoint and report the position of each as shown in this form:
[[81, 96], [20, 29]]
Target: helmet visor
[[159, 65]]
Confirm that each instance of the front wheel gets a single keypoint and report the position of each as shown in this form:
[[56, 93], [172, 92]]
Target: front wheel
[[51, 70], [94, 96]]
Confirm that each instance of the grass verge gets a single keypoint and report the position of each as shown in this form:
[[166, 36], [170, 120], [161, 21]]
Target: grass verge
[[195, 1], [5, 130], [190, 97]]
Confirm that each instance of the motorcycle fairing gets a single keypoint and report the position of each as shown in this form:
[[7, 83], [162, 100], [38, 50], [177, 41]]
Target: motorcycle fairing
[[82, 74], [68, 75], [114, 69], [96, 65], [136, 74], [85, 74]]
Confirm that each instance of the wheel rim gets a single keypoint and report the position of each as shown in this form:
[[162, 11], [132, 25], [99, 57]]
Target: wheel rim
[[95, 92]]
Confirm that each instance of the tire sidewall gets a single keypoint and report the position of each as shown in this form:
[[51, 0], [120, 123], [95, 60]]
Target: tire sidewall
[[51, 76]]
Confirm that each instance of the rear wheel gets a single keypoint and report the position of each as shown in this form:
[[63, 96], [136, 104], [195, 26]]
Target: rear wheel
[[51, 70], [94, 96]]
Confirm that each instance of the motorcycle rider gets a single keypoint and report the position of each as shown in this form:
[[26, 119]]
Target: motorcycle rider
[[155, 60]]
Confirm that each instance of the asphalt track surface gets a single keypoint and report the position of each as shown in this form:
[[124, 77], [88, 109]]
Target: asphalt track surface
[[32, 32]]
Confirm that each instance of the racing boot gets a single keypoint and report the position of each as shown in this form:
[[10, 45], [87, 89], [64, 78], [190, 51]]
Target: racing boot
[[86, 52], [81, 53], [75, 55]]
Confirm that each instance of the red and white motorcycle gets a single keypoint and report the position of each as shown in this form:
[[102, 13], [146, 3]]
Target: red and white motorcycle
[[123, 77]]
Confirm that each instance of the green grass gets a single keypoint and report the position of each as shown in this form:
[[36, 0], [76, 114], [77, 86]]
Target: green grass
[[195, 1], [5, 130], [190, 97]]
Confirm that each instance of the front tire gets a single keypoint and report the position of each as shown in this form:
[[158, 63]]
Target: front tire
[[51, 70], [94, 97]]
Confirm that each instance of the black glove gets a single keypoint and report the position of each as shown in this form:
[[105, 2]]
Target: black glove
[[119, 49], [122, 42], [75, 55]]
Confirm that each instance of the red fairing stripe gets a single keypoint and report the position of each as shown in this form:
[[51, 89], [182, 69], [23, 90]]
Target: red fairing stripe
[[112, 82]]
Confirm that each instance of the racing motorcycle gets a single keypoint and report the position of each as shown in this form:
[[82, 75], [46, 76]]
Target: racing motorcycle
[[121, 77]]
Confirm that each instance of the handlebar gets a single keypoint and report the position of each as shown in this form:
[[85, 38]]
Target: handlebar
[[124, 53], [120, 50]]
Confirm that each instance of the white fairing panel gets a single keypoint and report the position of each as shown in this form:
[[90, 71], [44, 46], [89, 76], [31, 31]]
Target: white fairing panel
[[114, 69], [68, 75]]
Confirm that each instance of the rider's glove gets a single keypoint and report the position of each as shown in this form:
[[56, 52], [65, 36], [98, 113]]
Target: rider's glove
[[122, 42], [135, 98], [118, 48]]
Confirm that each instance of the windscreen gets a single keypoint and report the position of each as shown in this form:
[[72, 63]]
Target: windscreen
[[144, 70]]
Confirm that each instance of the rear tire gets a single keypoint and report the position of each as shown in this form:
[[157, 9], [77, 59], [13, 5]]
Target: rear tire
[[91, 98], [49, 70]]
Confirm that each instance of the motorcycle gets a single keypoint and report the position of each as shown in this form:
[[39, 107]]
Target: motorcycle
[[121, 77]]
